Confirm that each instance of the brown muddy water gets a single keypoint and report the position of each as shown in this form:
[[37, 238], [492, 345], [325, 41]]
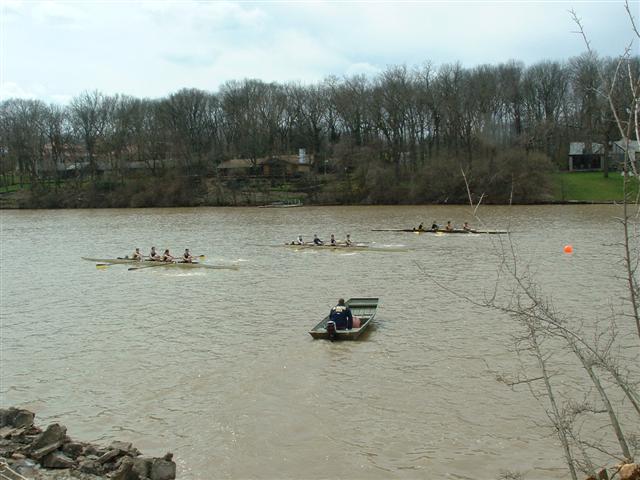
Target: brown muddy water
[[218, 367]]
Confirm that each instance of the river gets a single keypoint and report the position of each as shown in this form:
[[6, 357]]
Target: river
[[217, 366]]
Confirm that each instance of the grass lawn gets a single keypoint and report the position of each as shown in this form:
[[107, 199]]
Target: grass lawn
[[589, 186]]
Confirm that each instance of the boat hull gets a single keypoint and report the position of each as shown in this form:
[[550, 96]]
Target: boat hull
[[364, 308], [441, 230], [343, 248], [142, 264]]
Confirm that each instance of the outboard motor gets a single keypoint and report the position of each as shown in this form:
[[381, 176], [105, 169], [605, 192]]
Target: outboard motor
[[331, 330]]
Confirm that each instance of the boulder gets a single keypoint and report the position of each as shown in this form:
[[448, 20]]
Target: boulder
[[110, 455], [41, 452], [90, 466], [72, 449], [57, 460], [142, 466], [90, 450], [162, 470], [16, 417], [23, 419], [125, 470], [629, 471], [53, 434]]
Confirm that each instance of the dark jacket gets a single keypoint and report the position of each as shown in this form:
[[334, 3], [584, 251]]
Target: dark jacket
[[341, 315]]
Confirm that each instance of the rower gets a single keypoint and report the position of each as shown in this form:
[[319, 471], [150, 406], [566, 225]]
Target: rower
[[153, 255], [317, 241], [137, 255], [300, 241], [333, 240], [187, 257], [449, 227], [466, 227], [348, 241], [166, 256], [434, 226], [420, 227]]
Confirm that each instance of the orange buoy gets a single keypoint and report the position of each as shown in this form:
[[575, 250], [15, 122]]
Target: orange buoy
[[568, 249]]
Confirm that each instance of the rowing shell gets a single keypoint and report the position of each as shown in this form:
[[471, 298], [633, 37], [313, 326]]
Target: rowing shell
[[343, 248], [152, 263], [116, 261], [440, 230]]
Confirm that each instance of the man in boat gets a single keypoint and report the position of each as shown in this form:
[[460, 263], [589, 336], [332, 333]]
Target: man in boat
[[317, 241], [449, 227], [153, 255], [333, 240], [297, 241], [166, 256], [466, 227], [348, 241], [187, 257], [341, 316], [137, 255], [420, 227], [434, 226]]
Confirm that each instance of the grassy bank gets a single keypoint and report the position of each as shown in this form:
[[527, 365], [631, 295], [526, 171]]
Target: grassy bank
[[589, 187]]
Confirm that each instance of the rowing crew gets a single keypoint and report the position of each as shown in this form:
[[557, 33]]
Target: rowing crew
[[332, 241], [154, 256], [448, 227]]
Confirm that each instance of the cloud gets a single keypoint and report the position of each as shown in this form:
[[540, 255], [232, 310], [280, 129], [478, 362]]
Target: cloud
[[154, 48]]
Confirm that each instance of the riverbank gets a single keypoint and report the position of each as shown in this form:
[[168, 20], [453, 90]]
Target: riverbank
[[567, 188], [30, 452]]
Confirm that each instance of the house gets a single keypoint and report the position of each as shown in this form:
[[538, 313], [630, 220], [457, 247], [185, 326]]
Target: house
[[584, 159], [273, 166], [618, 150]]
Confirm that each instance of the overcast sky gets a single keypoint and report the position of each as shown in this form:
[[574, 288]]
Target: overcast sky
[[54, 50]]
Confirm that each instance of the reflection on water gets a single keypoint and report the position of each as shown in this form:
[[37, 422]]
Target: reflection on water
[[218, 366]]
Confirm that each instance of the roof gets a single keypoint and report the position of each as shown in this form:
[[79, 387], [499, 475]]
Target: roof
[[247, 163], [634, 145], [578, 148]]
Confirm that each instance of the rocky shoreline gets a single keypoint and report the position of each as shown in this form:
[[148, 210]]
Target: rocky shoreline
[[29, 452]]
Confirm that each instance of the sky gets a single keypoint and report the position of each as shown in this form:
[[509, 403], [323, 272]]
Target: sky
[[54, 50]]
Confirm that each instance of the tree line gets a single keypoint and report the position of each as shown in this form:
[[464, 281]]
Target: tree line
[[406, 132]]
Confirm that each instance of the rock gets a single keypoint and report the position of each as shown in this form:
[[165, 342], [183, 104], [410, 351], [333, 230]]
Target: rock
[[45, 450], [73, 449], [23, 418], [89, 466], [7, 432], [629, 471], [18, 456], [162, 470], [125, 470], [142, 466], [57, 460], [16, 417], [25, 467], [122, 446], [90, 450], [111, 454], [53, 434], [603, 474]]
